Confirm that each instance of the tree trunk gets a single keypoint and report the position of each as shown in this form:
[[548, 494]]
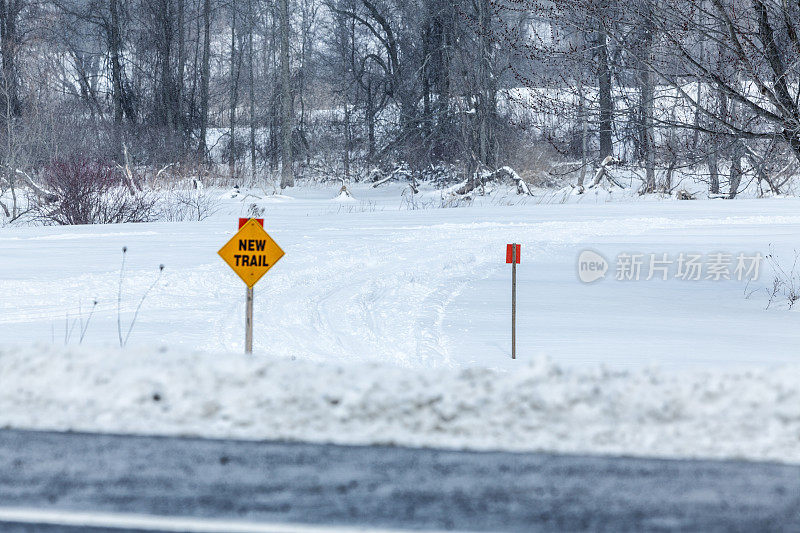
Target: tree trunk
[[165, 94], [647, 106], [736, 171], [583, 112], [287, 175], [606, 102], [274, 108], [369, 115], [699, 79], [346, 151], [442, 76], [251, 83], [8, 48], [486, 92], [117, 88], [192, 113], [424, 74], [178, 109], [713, 166], [306, 58], [233, 95], [10, 160], [204, 78]]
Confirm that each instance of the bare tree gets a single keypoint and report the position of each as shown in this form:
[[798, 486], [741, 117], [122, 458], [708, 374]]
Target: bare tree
[[287, 173], [205, 75]]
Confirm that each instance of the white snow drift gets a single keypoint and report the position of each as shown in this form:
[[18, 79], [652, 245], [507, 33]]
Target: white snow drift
[[753, 414]]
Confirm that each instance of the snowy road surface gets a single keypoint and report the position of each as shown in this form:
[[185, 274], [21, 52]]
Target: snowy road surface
[[388, 487]]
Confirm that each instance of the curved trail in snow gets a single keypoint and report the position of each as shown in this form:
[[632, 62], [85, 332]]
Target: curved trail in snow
[[415, 288]]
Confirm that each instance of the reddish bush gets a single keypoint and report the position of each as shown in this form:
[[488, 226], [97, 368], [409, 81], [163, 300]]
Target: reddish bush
[[92, 192]]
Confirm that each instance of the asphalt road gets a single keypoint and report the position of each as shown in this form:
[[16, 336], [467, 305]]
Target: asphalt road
[[387, 487]]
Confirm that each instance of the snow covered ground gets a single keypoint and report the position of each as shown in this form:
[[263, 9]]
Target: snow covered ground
[[389, 324]]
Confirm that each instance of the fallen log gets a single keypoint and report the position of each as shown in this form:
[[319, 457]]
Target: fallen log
[[36, 189]]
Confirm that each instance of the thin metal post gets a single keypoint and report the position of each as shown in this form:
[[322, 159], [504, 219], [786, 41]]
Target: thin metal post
[[248, 322], [514, 301]]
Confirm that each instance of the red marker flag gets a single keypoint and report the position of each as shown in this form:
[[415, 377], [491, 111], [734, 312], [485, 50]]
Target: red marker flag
[[509, 252], [243, 221]]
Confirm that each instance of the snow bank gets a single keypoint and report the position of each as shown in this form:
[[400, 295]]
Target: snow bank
[[720, 413]]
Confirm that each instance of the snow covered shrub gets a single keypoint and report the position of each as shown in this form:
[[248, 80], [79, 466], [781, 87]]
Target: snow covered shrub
[[186, 205], [785, 281], [254, 211], [538, 163], [88, 191]]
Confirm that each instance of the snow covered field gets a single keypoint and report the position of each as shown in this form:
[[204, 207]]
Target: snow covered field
[[385, 324]]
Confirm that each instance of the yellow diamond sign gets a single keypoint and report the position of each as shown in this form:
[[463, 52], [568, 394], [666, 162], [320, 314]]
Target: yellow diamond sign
[[251, 252]]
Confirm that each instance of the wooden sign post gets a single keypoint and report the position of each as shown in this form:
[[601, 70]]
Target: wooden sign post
[[250, 253], [512, 256], [248, 321]]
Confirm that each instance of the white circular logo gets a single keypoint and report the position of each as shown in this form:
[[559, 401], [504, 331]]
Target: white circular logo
[[591, 266]]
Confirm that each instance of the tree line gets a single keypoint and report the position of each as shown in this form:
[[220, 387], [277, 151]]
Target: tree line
[[261, 89], [707, 85]]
